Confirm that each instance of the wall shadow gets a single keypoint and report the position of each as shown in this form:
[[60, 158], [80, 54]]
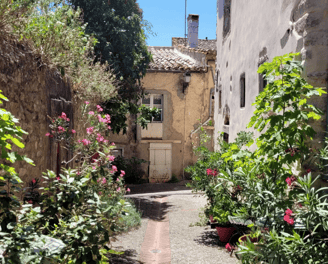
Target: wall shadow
[[151, 208], [127, 258], [209, 238]]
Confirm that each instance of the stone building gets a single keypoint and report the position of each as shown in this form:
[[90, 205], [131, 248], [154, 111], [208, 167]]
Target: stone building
[[250, 33], [180, 82]]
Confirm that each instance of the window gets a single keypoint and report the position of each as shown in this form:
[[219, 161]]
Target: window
[[226, 137], [227, 16], [262, 82], [155, 100], [117, 152], [242, 90]]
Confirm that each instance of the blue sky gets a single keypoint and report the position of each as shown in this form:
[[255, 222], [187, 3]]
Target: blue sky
[[167, 18]]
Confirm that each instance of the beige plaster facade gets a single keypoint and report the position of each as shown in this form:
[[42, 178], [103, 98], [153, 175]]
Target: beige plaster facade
[[168, 146], [250, 32]]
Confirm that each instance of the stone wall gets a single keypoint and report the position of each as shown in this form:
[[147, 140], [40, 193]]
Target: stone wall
[[35, 91]]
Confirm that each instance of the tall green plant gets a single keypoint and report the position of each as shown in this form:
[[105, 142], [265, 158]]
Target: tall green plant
[[273, 194]]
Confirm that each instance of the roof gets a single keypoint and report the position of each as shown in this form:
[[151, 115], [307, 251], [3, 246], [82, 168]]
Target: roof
[[172, 59], [204, 45]]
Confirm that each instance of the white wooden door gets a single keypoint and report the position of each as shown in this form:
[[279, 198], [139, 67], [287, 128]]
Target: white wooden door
[[160, 156]]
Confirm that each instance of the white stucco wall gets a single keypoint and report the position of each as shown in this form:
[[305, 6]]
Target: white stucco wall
[[258, 29]]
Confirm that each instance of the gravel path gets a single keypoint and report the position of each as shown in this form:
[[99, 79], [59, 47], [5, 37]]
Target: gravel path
[[188, 244]]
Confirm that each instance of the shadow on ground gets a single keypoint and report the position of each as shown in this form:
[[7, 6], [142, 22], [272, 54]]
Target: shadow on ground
[[158, 187], [127, 258], [208, 238], [151, 208]]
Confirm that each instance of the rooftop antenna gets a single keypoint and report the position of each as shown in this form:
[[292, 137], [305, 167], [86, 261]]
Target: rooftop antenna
[[185, 23]]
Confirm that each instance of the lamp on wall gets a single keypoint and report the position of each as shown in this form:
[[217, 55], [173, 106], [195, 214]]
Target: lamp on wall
[[186, 80]]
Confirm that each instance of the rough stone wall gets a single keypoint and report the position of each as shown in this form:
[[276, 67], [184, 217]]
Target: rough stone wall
[[34, 91]]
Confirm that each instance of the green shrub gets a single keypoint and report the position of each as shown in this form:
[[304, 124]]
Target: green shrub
[[132, 168]]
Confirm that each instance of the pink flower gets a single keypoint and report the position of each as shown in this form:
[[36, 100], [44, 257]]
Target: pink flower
[[99, 109], [93, 167], [78, 173], [86, 102], [89, 130], [211, 172], [33, 181], [117, 179], [67, 119], [122, 172], [113, 144], [103, 181], [99, 193], [289, 181], [79, 141], [128, 190], [109, 127], [98, 180], [121, 175], [61, 129], [86, 142], [57, 178], [91, 113], [228, 247], [100, 138], [30, 201], [47, 134], [111, 158], [290, 221], [114, 168], [118, 189], [73, 131], [63, 116], [289, 212]]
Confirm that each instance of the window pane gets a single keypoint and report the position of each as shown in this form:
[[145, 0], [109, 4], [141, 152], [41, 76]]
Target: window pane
[[146, 100], [159, 117], [157, 99]]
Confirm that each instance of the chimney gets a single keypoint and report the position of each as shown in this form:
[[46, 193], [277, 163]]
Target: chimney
[[193, 21]]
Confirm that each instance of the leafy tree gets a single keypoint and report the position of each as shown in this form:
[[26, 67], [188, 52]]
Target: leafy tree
[[121, 39]]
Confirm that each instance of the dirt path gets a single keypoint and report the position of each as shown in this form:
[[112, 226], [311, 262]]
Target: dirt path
[[166, 236]]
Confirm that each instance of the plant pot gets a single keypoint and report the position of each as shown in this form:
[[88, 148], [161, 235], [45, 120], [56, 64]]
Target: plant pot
[[225, 233]]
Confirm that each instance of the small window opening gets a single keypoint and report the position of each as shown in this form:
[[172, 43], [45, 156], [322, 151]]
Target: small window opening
[[227, 16], [220, 100], [226, 137], [226, 121], [262, 83], [242, 91]]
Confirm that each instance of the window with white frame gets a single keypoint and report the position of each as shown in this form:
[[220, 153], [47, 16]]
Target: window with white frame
[[155, 100]]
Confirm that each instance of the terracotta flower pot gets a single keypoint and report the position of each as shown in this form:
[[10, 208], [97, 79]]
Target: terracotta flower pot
[[225, 233]]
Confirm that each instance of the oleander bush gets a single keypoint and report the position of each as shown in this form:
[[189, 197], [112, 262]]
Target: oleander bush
[[273, 185]]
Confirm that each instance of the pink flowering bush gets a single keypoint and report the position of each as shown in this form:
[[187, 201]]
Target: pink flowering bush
[[267, 191], [88, 190]]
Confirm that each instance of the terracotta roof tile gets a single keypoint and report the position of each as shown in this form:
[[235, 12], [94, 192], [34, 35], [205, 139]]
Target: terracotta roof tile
[[170, 58], [204, 45]]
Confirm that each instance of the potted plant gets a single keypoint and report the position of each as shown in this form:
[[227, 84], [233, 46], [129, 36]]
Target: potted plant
[[221, 209]]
